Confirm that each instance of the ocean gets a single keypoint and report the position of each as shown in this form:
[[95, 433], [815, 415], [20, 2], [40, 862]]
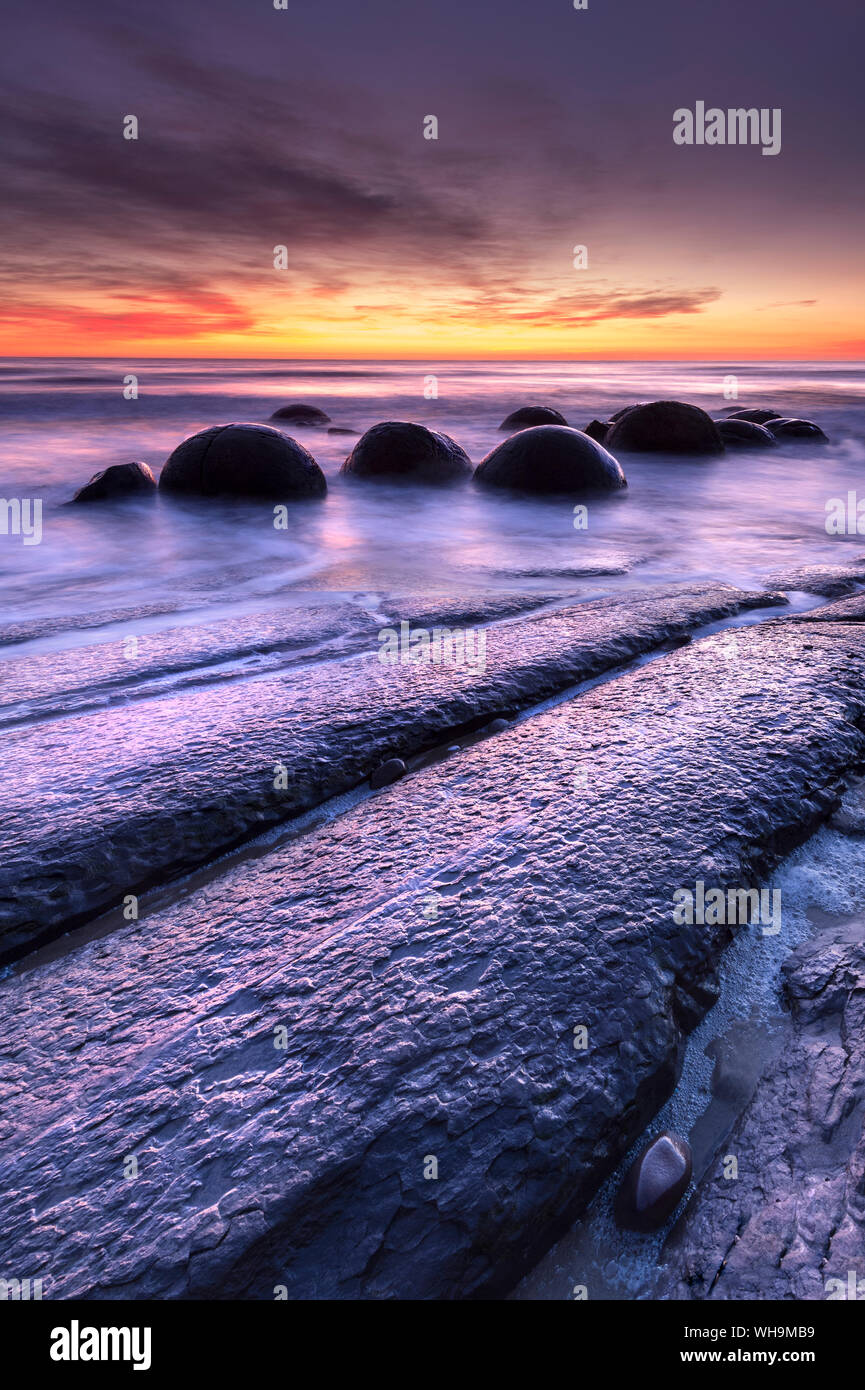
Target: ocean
[[737, 517]]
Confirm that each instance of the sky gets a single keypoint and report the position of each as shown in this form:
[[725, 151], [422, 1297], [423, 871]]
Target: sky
[[304, 128]]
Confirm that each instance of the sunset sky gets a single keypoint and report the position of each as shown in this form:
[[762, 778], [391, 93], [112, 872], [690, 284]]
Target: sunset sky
[[260, 127]]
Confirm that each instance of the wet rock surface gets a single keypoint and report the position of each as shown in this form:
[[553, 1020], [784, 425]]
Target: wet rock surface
[[829, 581], [354, 1071], [792, 1224], [122, 812]]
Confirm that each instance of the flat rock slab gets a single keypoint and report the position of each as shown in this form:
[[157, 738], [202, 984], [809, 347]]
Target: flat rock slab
[[792, 1224], [830, 581], [109, 801], [349, 1068]]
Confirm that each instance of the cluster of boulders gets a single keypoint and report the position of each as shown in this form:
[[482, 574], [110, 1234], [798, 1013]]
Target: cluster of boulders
[[543, 453]]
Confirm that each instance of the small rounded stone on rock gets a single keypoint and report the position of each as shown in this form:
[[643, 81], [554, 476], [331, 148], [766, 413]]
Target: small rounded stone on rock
[[498, 726], [388, 772], [654, 1184]]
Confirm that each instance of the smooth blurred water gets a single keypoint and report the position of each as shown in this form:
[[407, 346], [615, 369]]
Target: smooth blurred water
[[734, 517]]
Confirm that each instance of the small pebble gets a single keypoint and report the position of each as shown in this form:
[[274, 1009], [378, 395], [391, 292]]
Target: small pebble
[[388, 772]]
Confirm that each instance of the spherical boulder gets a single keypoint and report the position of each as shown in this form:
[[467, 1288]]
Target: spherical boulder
[[550, 459], [743, 434], [624, 410], [797, 429], [756, 417], [243, 461], [118, 480], [668, 427], [301, 415], [654, 1184], [529, 415], [397, 451]]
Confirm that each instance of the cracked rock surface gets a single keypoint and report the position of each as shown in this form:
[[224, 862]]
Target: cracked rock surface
[[793, 1220], [348, 1067], [109, 799]]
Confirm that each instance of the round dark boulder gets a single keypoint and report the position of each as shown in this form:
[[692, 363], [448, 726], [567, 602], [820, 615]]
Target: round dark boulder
[[243, 461], [668, 427], [598, 430], [654, 1184], [529, 415], [743, 434], [340, 429], [797, 429], [756, 417], [388, 772], [551, 459], [624, 410], [398, 451], [119, 480], [301, 415]]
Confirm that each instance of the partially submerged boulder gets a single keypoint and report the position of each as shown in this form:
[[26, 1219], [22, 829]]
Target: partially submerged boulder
[[598, 430], [298, 414], [655, 1184], [756, 416], [797, 429], [529, 415], [118, 480], [743, 434], [397, 450], [243, 461], [551, 459], [668, 427]]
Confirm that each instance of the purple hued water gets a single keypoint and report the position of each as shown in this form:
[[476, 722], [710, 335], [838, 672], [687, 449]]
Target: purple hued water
[[734, 517]]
